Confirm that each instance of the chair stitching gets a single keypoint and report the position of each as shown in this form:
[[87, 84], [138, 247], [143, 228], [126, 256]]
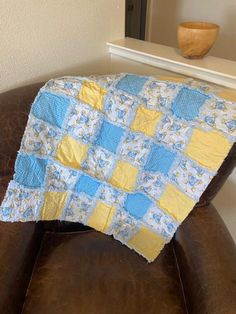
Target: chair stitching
[[180, 279]]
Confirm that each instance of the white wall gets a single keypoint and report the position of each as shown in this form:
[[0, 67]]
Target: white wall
[[166, 14], [40, 39]]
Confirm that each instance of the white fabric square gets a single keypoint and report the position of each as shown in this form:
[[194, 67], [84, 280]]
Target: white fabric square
[[105, 80], [78, 208], [172, 132], [83, 122], [191, 178], [160, 222], [219, 114], [111, 195], [123, 226], [119, 107], [151, 183], [135, 148], [158, 94], [99, 162], [20, 203], [40, 138], [59, 178], [65, 85]]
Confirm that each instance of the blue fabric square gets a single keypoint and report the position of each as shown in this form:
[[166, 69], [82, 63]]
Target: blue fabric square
[[109, 136], [187, 103], [51, 108], [137, 204], [87, 185], [159, 159], [30, 171], [132, 84]]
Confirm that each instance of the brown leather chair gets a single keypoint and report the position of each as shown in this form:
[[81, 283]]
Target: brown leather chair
[[59, 267]]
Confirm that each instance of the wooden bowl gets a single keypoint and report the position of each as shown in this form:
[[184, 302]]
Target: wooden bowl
[[196, 38]]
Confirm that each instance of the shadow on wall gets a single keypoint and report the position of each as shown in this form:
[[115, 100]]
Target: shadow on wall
[[97, 66], [226, 198], [165, 15], [162, 27], [226, 43], [225, 203]]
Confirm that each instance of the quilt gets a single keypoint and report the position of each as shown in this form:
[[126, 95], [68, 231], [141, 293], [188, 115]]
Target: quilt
[[125, 154]]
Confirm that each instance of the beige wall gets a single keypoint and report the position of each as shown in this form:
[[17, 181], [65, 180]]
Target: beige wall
[[166, 14], [40, 39]]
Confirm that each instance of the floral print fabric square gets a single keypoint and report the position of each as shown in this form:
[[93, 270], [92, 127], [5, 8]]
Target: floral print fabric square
[[40, 138], [173, 132], [158, 94], [21, 203], [60, 178], [220, 115], [191, 178], [161, 221], [99, 162], [82, 122], [120, 107], [111, 196], [152, 184], [67, 85], [135, 148], [78, 207], [123, 226]]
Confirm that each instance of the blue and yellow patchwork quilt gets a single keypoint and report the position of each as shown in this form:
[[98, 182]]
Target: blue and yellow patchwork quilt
[[128, 155]]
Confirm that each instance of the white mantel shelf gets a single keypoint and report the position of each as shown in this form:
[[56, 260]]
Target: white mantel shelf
[[217, 70]]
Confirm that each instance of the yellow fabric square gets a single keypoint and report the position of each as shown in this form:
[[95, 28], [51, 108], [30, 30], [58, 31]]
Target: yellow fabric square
[[92, 94], [124, 176], [146, 120], [147, 243], [53, 205], [177, 79], [176, 203], [208, 148], [228, 94], [71, 153], [101, 217]]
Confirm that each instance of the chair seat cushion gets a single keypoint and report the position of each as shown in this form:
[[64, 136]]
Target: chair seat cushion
[[88, 272]]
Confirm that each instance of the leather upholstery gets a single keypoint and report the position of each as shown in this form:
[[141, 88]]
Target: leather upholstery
[[15, 106], [206, 256], [89, 272], [83, 271], [19, 245]]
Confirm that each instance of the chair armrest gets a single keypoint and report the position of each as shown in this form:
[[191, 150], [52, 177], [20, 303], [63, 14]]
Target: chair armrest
[[206, 256], [19, 245], [15, 105]]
